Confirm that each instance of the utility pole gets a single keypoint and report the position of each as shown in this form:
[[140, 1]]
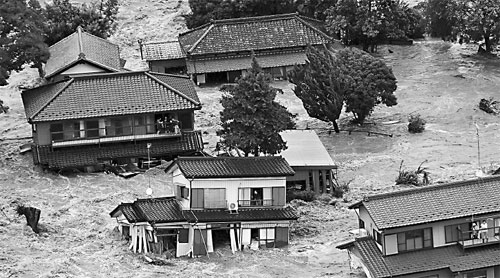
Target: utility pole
[[480, 171]]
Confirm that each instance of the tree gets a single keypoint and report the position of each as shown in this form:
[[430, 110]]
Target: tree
[[251, 119], [320, 85], [97, 18], [372, 83], [480, 20], [370, 22], [349, 77], [202, 11], [21, 40], [441, 17]]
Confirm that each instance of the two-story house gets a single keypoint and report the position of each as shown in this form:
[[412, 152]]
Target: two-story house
[[441, 231], [238, 201], [81, 52], [103, 118], [220, 50]]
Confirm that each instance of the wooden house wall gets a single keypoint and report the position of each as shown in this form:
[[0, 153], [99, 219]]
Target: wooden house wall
[[163, 66]]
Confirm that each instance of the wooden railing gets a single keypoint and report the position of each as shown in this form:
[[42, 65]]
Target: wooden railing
[[255, 203]]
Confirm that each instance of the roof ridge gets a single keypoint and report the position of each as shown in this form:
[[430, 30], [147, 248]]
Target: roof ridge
[[45, 85], [158, 42], [195, 29], [105, 74], [64, 39], [314, 28], [254, 18], [432, 188], [201, 38], [172, 88], [99, 38], [52, 98]]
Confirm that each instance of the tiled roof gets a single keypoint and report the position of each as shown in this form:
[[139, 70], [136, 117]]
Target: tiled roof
[[448, 257], [110, 94], [154, 51], [245, 62], [156, 210], [168, 209], [252, 33], [233, 167], [82, 46], [305, 149], [261, 214], [434, 203], [179, 82]]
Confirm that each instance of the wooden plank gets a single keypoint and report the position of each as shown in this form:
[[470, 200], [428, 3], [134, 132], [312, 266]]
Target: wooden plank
[[316, 181]]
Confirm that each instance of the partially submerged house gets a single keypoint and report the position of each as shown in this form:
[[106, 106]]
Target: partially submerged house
[[448, 230], [107, 118], [165, 57], [221, 50], [81, 52], [314, 167], [219, 200]]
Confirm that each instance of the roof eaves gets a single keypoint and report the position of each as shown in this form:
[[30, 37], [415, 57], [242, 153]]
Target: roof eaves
[[255, 18], [314, 28], [197, 103], [75, 61], [52, 99], [100, 65], [201, 38]]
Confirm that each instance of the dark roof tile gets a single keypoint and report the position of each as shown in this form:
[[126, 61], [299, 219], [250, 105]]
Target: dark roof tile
[[155, 51], [434, 203], [111, 94], [232, 167], [85, 47], [154, 210], [261, 214], [447, 257], [252, 33]]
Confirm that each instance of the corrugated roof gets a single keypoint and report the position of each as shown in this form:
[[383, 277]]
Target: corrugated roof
[[230, 63], [260, 214], [252, 33], [154, 51], [447, 257], [102, 95], [82, 46], [233, 167], [153, 210], [304, 148], [434, 203]]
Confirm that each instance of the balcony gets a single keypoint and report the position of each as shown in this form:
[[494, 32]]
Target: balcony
[[481, 237], [255, 203], [96, 136]]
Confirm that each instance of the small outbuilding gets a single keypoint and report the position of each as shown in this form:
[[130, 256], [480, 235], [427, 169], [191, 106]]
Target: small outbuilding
[[313, 165]]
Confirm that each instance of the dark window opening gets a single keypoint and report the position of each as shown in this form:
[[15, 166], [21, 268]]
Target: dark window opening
[[413, 240]]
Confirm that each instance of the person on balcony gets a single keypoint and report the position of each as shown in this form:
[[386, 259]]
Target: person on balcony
[[484, 231]]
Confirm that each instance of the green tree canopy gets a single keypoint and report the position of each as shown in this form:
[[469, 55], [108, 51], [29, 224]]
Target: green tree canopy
[[251, 119], [320, 84], [372, 82], [21, 40]]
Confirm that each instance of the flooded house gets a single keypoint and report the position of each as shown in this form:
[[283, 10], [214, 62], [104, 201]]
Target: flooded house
[[219, 202], [447, 230], [314, 168], [112, 118], [220, 51]]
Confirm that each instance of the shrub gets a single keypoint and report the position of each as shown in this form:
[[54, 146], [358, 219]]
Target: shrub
[[307, 196], [340, 189], [418, 177], [416, 124]]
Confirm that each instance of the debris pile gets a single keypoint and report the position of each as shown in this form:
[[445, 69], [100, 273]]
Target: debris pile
[[489, 106]]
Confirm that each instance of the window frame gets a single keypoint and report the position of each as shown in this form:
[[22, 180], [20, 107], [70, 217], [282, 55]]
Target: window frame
[[402, 239]]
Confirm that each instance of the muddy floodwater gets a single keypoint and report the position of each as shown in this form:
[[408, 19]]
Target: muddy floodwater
[[442, 82]]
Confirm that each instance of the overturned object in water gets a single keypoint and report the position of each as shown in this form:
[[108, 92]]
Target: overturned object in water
[[32, 216]]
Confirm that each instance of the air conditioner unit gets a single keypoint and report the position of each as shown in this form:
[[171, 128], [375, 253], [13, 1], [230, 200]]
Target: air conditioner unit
[[232, 207]]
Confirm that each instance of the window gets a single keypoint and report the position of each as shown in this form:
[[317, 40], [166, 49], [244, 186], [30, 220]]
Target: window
[[416, 239], [476, 274], [57, 132], [186, 120], [267, 196], [197, 198], [183, 236], [184, 192], [361, 224], [452, 233], [215, 198], [92, 128]]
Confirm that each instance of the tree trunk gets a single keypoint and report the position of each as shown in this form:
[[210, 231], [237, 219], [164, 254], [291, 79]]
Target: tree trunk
[[336, 127], [487, 43]]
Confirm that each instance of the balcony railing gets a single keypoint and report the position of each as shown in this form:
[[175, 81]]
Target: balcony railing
[[215, 204], [481, 237], [111, 134], [255, 203]]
